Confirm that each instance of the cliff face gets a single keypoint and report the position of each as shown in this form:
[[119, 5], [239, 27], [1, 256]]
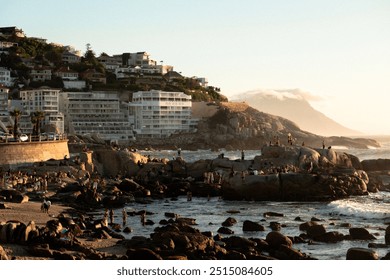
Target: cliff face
[[236, 125]]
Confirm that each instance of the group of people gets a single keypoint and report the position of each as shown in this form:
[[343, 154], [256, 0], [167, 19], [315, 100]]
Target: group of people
[[109, 214], [22, 180]]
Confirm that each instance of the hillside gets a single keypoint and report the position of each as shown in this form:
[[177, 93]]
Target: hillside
[[236, 125], [28, 54], [293, 106]]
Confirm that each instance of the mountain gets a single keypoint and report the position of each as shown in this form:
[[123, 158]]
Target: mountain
[[293, 105]]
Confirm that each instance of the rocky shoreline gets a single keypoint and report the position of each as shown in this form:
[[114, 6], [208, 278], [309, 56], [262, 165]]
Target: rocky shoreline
[[110, 178]]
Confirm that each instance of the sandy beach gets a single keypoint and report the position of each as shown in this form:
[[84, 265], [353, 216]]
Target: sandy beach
[[31, 211]]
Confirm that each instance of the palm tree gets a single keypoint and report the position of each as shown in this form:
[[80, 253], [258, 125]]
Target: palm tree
[[16, 114], [36, 119]]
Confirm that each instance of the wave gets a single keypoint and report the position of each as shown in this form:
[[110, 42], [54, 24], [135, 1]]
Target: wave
[[373, 206]]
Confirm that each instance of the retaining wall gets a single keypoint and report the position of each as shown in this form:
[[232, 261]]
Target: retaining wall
[[23, 153]]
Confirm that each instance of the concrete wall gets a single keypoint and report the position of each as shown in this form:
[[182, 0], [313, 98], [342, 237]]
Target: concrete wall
[[12, 154]]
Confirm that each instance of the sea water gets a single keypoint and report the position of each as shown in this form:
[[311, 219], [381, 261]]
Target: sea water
[[371, 211]]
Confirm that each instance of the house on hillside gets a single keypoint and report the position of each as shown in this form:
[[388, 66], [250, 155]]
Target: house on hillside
[[91, 75], [69, 57], [66, 74], [110, 63], [40, 73], [10, 31]]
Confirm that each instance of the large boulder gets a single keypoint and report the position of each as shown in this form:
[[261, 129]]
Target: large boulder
[[275, 239], [361, 254]]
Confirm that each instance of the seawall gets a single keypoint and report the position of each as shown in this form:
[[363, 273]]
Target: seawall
[[24, 153]]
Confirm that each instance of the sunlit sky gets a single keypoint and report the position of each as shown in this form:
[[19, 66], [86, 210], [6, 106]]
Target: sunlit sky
[[337, 51]]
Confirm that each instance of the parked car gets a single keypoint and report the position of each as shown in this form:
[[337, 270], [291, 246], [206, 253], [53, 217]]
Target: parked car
[[23, 137], [5, 136], [49, 136]]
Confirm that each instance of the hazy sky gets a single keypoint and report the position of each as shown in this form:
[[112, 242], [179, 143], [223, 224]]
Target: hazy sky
[[338, 51]]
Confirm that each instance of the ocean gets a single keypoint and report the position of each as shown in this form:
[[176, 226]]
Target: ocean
[[371, 212]]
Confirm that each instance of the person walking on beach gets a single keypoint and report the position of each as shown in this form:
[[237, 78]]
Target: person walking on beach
[[242, 155]]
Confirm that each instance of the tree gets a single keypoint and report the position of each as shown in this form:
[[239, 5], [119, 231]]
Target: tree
[[36, 119], [16, 114]]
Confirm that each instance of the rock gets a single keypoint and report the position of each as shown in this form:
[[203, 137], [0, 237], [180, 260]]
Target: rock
[[361, 234], [316, 230], [3, 254], [127, 230], [234, 255], [285, 252], [375, 164], [361, 254], [252, 226], [272, 214], [275, 226], [229, 222], [330, 237], [235, 242], [276, 239], [142, 254], [225, 230], [306, 225], [387, 236]]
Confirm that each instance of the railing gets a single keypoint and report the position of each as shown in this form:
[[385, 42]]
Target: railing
[[34, 138]]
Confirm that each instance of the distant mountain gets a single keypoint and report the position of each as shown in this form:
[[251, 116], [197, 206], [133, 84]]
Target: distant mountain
[[293, 105]]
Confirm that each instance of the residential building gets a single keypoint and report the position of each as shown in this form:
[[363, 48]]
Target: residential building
[[141, 59], [96, 113], [10, 31], [75, 84], [5, 121], [45, 100], [69, 57], [110, 62], [5, 77], [203, 82], [4, 100], [159, 114], [5, 46], [91, 75], [40, 74], [66, 74]]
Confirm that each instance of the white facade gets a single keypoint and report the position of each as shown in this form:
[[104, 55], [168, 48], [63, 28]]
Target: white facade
[[159, 114], [4, 101], [96, 113], [44, 100], [40, 74], [5, 77]]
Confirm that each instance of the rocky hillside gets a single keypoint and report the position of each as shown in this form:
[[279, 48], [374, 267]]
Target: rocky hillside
[[292, 105], [236, 125]]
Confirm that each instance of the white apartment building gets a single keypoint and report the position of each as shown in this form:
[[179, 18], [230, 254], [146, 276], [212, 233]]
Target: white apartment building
[[41, 74], [4, 101], [5, 77], [96, 113], [159, 114], [45, 100], [4, 113]]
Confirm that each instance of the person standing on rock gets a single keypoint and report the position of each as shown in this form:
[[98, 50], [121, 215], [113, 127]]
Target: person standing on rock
[[242, 155], [124, 216], [143, 218], [111, 216]]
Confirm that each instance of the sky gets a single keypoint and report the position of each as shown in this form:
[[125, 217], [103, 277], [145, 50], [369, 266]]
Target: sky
[[338, 52]]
